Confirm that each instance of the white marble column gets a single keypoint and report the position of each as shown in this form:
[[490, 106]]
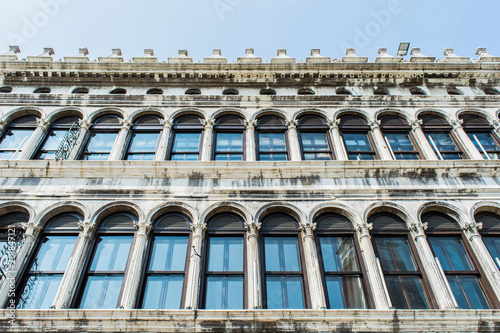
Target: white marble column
[[134, 272], [466, 143], [162, 150], [293, 141], [121, 141], [194, 271], [318, 300], [34, 141], [253, 267], [379, 140], [374, 275], [84, 130], [423, 143], [14, 273], [338, 143], [496, 125], [435, 277], [69, 282], [208, 138], [251, 149]]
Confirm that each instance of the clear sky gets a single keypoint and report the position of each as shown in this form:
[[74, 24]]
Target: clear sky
[[233, 25]]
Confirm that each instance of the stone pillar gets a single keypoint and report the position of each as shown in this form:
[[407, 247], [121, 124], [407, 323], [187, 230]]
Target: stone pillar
[[194, 272], [423, 143], [118, 148], [465, 142], [293, 141], [206, 150], [14, 273], [495, 123], [34, 141], [318, 300], [374, 275], [379, 141], [253, 267], [437, 280], [162, 150], [69, 282], [251, 149], [84, 130], [132, 280], [490, 269], [338, 143]]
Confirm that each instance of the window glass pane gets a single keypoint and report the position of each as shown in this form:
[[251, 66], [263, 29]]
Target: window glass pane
[[406, 292], [467, 292], [317, 157], [184, 157], [406, 156], [54, 139], [272, 157], [442, 142], [163, 292], [13, 139], [284, 292], [140, 157], [493, 245], [229, 142], [400, 142], [338, 254], [111, 253], [357, 142], [40, 291], [169, 253], [282, 254], [102, 292], [101, 142], [229, 157], [143, 142], [314, 141], [186, 142], [96, 157], [6, 155], [361, 157], [484, 141], [451, 253], [345, 292], [394, 254], [224, 292], [54, 253], [225, 254], [272, 142]]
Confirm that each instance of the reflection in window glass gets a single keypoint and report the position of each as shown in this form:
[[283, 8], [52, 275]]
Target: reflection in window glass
[[467, 292], [163, 292], [451, 253], [186, 147], [485, 144], [102, 291], [315, 146], [226, 254], [406, 292], [358, 146], [444, 146], [338, 254], [142, 146], [395, 254], [99, 146], [224, 292], [272, 147], [282, 254], [493, 245], [229, 146], [51, 144], [401, 146], [13, 142], [284, 292], [345, 292]]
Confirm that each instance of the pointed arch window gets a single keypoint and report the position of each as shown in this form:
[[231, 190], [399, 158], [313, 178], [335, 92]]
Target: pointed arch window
[[187, 138], [46, 269], [271, 139], [167, 263], [490, 233], [101, 138], [144, 139], [438, 132], [356, 135], [314, 139], [16, 136], [482, 135], [229, 139], [341, 262], [54, 137], [397, 134]]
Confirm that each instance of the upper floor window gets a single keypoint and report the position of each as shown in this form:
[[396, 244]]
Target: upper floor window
[[118, 91], [438, 132], [381, 91], [490, 233], [306, 91], [271, 139], [11, 236], [166, 268], [268, 91], [110, 256], [54, 137], [193, 91], [397, 134], [80, 90], [400, 264], [416, 91], [101, 138], [314, 138], [155, 91], [230, 91], [339, 254], [224, 271], [283, 274], [229, 139], [144, 139], [482, 135], [454, 91], [43, 90], [343, 91], [16, 136], [186, 140], [5, 90], [356, 134], [491, 91], [47, 267], [450, 246]]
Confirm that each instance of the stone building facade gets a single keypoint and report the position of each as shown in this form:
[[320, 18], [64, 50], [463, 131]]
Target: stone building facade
[[316, 196]]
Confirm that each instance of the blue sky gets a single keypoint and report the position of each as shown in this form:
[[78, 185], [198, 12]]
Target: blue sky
[[233, 25]]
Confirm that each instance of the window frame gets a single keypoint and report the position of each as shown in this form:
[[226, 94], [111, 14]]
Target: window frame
[[231, 129], [315, 129], [100, 128], [141, 129], [13, 126], [356, 129], [182, 128], [444, 128], [400, 129], [482, 128], [66, 127], [271, 129]]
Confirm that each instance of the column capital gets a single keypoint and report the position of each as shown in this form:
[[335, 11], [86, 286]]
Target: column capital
[[333, 124], [126, 125], [291, 124], [495, 123], [250, 125], [42, 123], [415, 124], [456, 123], [3, 123], [198, 229], [143, 229], [253, 229], [363, 230], [167, 124], [87, 229], [374, 124], [31, 229], [308, 230], [472, 228], [85, 124], [209, 124], [418, 229]]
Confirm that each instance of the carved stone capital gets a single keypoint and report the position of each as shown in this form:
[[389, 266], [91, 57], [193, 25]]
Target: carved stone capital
[[198, 229], [42, 123], [168, 124], [85, 124], [333, 125], [31, 229], [209, 124], [291, 124], [415, 124], [143, 229], [126, 125], [3, 123], [495, 123], [375, 124], [363, 230], [250, 125], [456, 123], [418, 228], [473, 228], [252, 229], [87, 229], [308, 230]]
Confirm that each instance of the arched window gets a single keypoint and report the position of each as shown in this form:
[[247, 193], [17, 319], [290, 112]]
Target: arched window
[[454, 91], [400, 264], [356, 135], [54, 137], [271, 139], [341, 262], [283, 273], [144, 139], [167, 263], [397, 134], [110, 257], [490, 233], [43, 90], [482, 135], [380, 91], [491, 91], [187, 135], [450, 247], [229, 139], [5, 90], [268, 91], [11, 236], [118, 91], [155, 91], [306, 91], [416, 91], [193, 91], [225, 264], [16, 136], [80, 90], [314, 139], [438, 132], [343, 91], [101, 138], [230, 91], [41, 282]]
